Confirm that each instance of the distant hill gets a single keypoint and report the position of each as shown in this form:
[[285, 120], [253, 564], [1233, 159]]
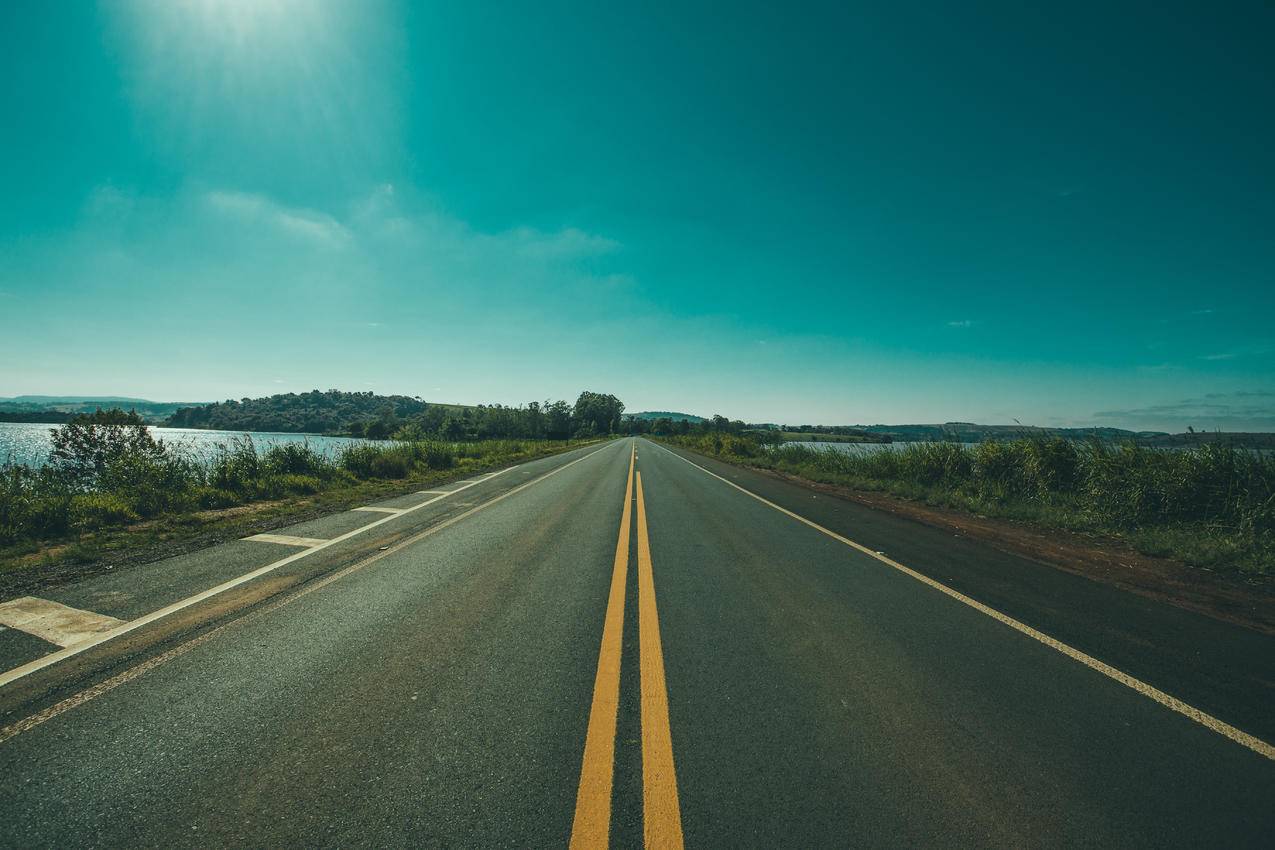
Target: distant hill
[[970, 432], [44, 408], [665, 414], [1240, 439], [48, 400]]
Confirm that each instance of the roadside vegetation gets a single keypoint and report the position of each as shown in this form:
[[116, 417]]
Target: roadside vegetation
[[380, 417], [1210, 505], [108, 475]]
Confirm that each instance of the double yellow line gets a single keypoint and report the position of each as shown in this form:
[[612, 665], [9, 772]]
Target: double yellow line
[[661, 814]]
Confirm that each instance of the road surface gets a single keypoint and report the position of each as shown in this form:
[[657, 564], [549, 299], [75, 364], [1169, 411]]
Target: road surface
[[625, 644]]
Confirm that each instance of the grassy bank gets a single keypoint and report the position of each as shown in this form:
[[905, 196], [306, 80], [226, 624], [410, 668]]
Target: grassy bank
[[1210, 506], [122, 492]]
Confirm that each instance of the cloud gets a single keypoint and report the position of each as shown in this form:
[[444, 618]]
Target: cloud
[[305, 224], [569, 243]]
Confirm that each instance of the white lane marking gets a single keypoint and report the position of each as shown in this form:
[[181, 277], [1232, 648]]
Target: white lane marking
[[53, 621], [52, 658], [287, 539], [34, 720], [433, 492], [1208, 721], [375, 509]]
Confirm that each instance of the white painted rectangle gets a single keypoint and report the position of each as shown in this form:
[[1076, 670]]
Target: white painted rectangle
[[53, 621], [287, 539]]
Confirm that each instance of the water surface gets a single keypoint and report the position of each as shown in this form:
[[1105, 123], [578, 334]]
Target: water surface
[[29, 442]]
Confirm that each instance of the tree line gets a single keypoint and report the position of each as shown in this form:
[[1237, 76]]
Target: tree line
[[378, 417]]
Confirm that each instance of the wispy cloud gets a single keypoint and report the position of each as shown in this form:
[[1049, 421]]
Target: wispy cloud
[[569, 243], [303, 223]]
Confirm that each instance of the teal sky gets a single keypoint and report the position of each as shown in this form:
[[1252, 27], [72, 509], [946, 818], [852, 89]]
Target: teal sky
[[841, 213]]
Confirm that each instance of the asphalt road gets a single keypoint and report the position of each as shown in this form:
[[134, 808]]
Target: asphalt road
[[616, 644]]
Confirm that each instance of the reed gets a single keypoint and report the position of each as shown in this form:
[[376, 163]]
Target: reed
[[1211, 505]]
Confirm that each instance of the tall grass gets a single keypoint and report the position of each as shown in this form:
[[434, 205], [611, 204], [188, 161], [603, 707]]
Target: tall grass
[[1212, 504], [133, 485]]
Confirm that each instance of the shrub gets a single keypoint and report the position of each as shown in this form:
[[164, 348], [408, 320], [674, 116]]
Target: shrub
[[151, 484], [95, 510], [84, 447], [438, 455], [213, 497], [276, 486], [391, 465], [358, 460], [296, 459], [379, 461], [236, 466], [33, 504]]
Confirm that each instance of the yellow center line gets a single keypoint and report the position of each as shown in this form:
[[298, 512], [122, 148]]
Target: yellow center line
[[592, 824], [661, 815]]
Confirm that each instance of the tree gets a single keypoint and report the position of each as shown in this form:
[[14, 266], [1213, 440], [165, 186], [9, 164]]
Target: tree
[[84, 447], [558, 420], [599, 412]]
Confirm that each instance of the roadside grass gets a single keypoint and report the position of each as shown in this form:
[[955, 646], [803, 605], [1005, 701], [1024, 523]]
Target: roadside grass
[[1210, 506], [146, 504]]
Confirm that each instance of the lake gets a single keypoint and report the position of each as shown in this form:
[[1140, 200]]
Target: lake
[[856, 448], [29, 442]]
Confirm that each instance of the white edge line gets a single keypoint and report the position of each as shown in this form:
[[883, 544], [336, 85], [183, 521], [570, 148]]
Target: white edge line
[[1208, 721], [375, 510], [52, 658]]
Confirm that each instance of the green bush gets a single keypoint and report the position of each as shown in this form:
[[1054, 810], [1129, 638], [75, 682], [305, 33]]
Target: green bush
[[118, 478], [94, 510], [33, 503], [151, 485], [236, 466], [388, 462], [1201, 503], [358, 460], [391, 465], [211, 498], [438, 455], [296, 459], [278, 486]]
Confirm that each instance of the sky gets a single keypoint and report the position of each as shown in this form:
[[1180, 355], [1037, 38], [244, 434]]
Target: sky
[[1057, 214]]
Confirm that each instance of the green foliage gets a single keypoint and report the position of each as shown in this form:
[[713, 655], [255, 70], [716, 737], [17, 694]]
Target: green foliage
[[407, 419], [314, 412], [1196, 503], [236, 467], [33, 503], [107, 470], [296, 458], [597, 413], [94, 510], [85, 446]]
